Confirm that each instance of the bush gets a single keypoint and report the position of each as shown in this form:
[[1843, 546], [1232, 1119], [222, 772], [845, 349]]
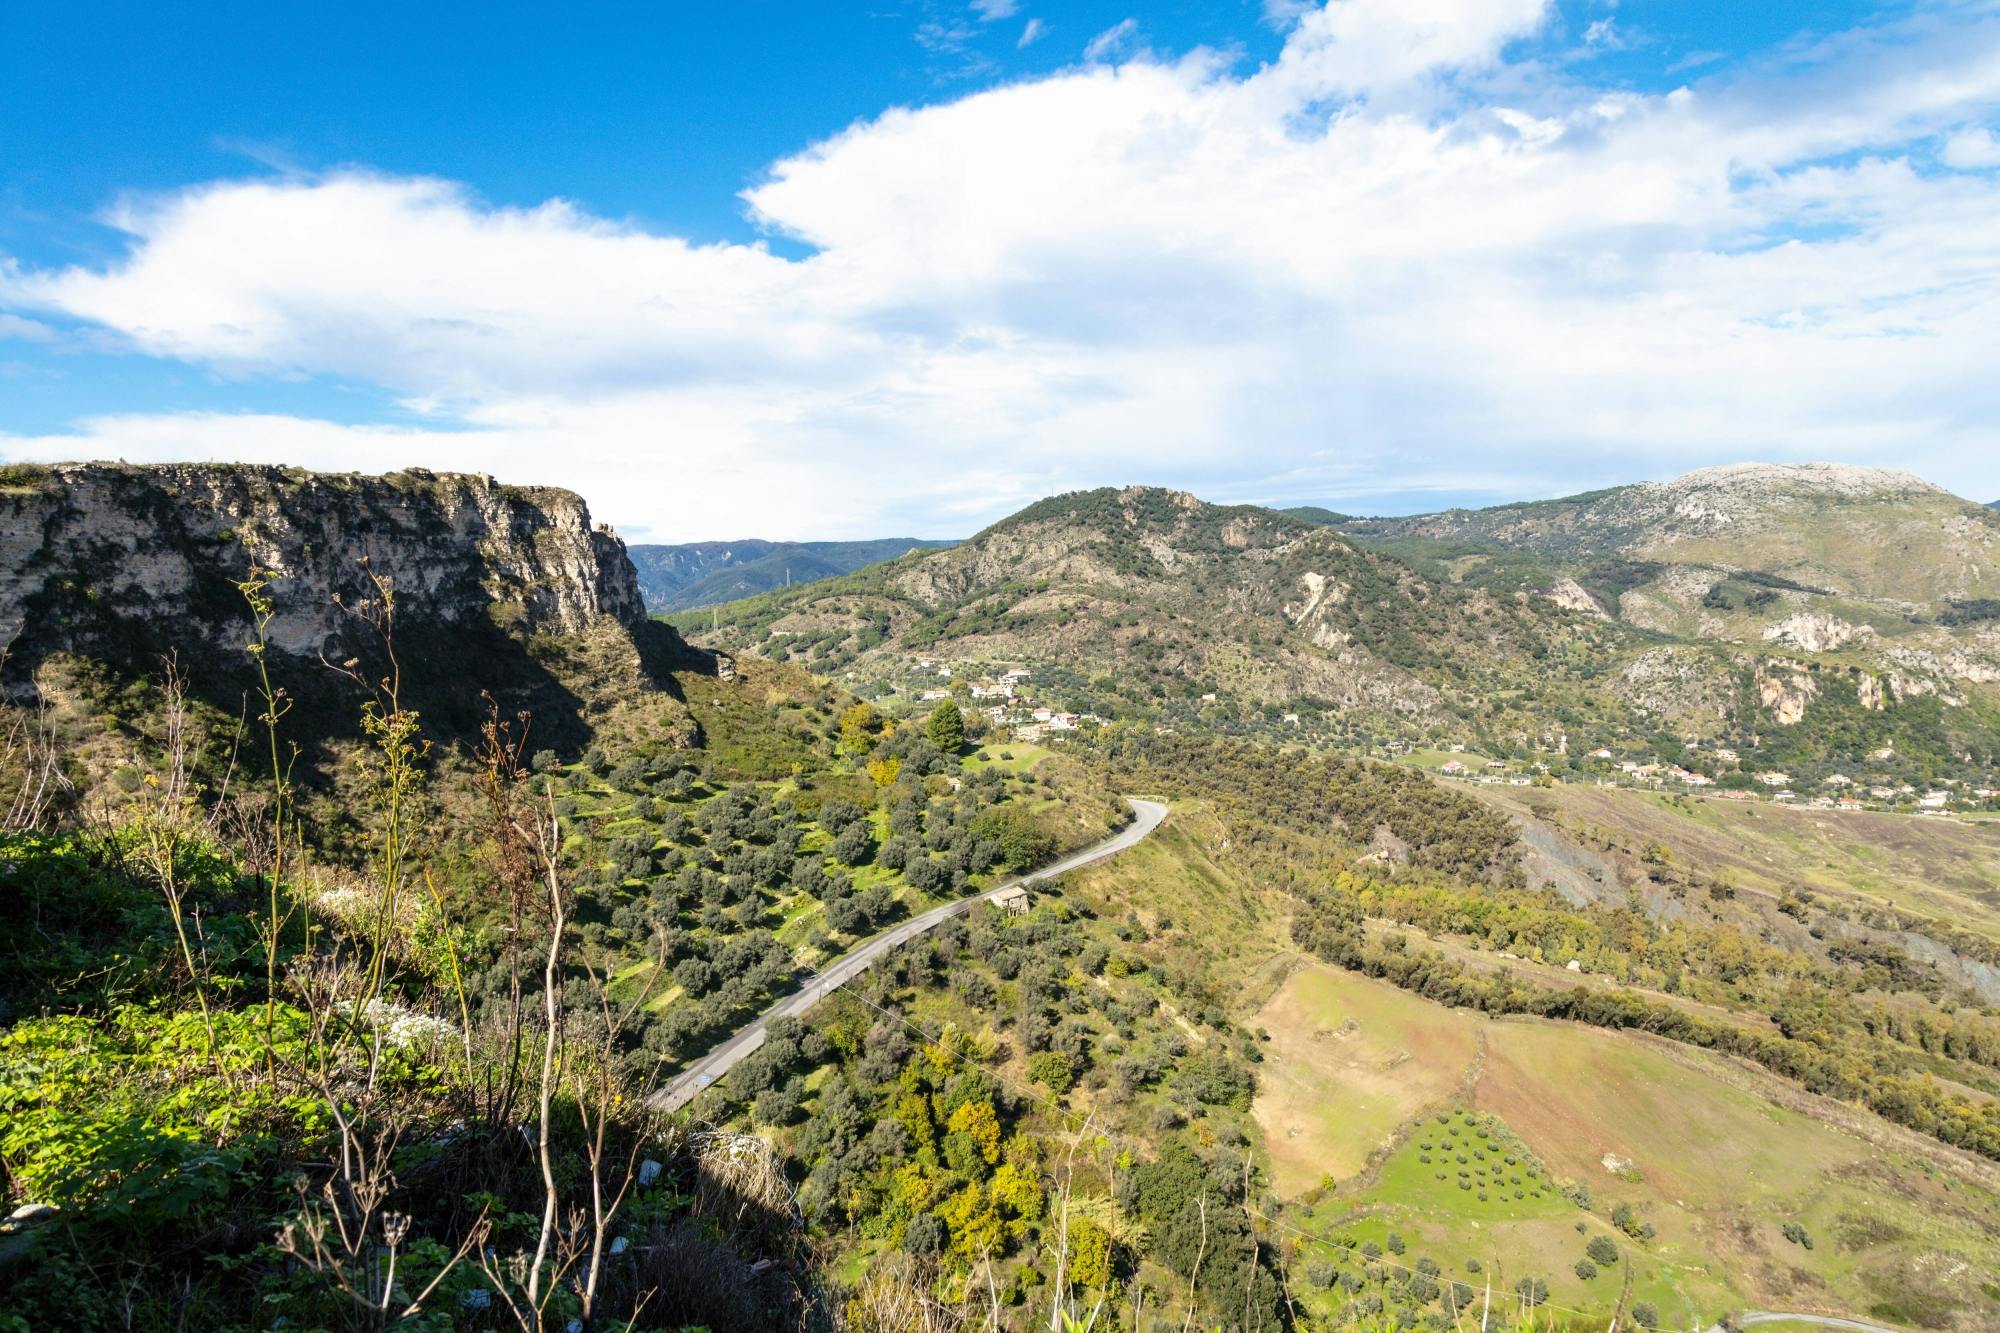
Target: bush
[[1586, 1269], [1645, 1315], [1798, 1235], [925, 1236], [1602, 1250], [1053, 1070]]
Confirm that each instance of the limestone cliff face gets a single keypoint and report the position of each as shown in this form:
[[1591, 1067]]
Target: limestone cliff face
[[83, 546]]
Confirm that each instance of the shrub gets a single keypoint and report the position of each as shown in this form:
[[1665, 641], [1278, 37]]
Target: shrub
[[1798, 1235], [1602, 1250], [1586, 1269], [1645, 1315], [1053, 1070]]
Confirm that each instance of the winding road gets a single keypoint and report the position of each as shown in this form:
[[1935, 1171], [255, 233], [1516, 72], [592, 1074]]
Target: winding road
[[682, 1087], [1751, 1318]]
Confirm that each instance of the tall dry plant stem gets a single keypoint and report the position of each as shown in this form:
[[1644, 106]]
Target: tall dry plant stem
[[283, 823]]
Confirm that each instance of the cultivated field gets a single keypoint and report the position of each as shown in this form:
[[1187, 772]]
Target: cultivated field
[[1715, 1158]]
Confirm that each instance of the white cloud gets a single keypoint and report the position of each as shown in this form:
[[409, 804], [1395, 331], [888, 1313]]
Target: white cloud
[[1031, 32], [1111, 39], [1393, 258], [990, 11], [1972, 149], [26, 330]]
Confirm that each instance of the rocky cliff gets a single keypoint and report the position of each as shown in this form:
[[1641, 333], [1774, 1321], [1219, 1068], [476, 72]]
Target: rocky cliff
[[85, 548]]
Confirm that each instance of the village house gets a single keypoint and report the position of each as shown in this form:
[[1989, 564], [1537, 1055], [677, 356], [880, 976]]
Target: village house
[[1725, 754], [1775, 779], [1012, 900], [1452, 768]]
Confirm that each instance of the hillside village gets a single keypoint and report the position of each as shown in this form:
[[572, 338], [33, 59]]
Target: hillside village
[[1005, 702]]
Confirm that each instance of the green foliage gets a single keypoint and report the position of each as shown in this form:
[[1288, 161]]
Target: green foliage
[[945, 727], [1053, 1070], [123, 1118]]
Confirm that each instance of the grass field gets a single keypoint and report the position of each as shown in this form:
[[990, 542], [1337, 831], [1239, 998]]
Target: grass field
[[1941, 868], [1387, 1060], [1198, 916], [1693, 1146]]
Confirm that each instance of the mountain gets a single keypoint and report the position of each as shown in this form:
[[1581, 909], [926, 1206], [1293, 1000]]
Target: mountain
[[678, 578], [1643, 619], [1142, 601], [1318, 514], [105, 568], [1870, 533], [1889, 579]]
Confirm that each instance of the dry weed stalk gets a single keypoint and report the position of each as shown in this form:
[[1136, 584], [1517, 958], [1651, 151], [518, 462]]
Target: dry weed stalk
[[32, 763], [571, 1242]]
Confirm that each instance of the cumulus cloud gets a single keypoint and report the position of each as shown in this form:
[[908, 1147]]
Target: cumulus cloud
[[1400, 255]]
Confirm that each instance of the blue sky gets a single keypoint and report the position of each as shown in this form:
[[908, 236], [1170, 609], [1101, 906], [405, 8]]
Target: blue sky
[[794, 270]]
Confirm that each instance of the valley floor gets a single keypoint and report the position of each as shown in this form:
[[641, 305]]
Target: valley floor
[[1716, 1156]]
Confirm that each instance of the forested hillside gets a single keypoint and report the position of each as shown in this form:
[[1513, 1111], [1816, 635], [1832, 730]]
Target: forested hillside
[[697, 574]]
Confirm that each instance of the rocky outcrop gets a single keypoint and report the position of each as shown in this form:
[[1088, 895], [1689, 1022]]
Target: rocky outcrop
[[1786, 688], [1816, 632], [83, 546], [1573, 596]]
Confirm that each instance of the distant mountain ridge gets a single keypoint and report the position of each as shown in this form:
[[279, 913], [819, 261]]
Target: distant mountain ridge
[[697, 574], [1152, 601], [1873, 533], [1816, 616]]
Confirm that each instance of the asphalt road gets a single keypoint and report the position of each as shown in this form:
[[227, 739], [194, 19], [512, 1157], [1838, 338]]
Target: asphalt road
[[681, 1089], [1751, 1318]]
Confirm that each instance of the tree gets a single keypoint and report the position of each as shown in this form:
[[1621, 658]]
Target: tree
[[1053, 1070], [1602, 1250], [946, 728], [853, 844], [858, 726]]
